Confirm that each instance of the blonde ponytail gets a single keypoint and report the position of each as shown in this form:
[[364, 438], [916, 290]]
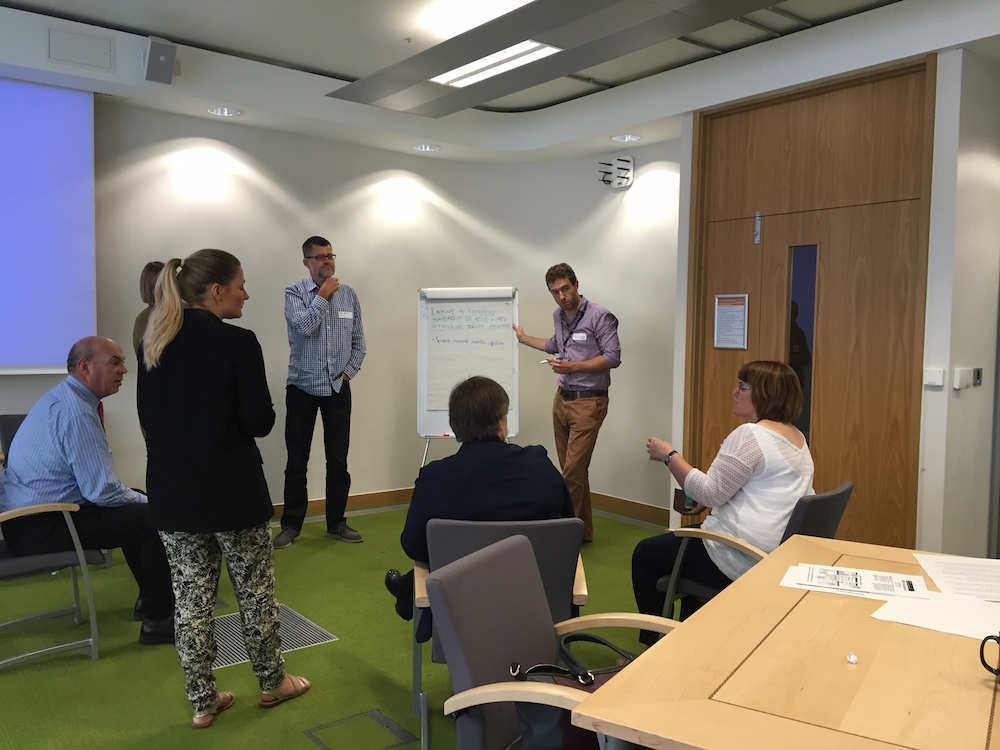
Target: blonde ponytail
[[167, 316]]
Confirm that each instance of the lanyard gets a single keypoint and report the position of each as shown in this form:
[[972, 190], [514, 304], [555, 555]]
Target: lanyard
[[572, 326]]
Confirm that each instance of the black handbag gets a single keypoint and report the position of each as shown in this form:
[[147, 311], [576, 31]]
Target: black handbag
[[547, 727]]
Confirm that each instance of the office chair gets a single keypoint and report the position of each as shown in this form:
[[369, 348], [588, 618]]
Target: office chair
[[491, 609], [814, 515], [8, 426], [18, 566], [556, 544]]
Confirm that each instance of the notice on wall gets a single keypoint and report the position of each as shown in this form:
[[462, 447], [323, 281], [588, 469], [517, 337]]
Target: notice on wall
[[730, 321]]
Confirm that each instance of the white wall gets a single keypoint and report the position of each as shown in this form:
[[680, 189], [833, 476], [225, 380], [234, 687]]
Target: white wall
[[962, 306], [974, 312], [168, 185]]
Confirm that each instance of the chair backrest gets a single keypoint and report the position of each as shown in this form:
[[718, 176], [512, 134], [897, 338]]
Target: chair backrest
[[490, 609], [556, 543], [819, 515], [8, 426]]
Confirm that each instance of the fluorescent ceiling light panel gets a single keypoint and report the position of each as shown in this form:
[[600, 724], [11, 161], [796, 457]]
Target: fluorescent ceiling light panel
[[493, 65]]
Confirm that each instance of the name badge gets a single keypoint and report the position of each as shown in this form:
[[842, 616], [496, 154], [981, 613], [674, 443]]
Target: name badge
[[579, 336], [345, 314]]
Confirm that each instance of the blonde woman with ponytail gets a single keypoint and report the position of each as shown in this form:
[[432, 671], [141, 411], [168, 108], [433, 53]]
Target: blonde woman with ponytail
[[203, 399]]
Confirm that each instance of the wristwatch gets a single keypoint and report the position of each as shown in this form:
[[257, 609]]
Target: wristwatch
[[668, 457]]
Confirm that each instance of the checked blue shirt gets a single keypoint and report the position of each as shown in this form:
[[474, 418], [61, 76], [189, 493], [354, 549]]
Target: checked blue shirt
[[326, 338]]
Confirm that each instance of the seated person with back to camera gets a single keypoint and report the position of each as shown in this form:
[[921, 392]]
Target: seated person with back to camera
[[61, 455], [488, 479], [752, 486]]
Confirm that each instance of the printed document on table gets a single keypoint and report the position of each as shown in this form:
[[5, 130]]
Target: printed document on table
[[873, 584], [945, 613], [968, 576]]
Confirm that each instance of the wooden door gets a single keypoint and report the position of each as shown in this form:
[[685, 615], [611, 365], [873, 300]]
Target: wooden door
[[868, 223]]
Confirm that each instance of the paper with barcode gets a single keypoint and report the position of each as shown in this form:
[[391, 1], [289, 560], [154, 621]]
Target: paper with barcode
[[873, 584]]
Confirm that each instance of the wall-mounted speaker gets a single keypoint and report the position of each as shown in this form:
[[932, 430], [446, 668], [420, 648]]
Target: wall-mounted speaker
[[617, 173], [158, 62]]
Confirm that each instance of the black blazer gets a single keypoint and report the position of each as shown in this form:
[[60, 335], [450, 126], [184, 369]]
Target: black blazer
[[202, 407], [485, 481]]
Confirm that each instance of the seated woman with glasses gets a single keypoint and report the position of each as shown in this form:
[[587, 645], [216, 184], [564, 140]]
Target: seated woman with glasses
[[762, 469]]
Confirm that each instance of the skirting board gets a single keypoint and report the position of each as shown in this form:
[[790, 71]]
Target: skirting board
[[610, 503]]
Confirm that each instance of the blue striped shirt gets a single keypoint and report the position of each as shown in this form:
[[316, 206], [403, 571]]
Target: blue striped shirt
[[326, 338], [61, 455]]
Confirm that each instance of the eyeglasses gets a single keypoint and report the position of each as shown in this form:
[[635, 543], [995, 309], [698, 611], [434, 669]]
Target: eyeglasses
[[328, 256], [742, 386]]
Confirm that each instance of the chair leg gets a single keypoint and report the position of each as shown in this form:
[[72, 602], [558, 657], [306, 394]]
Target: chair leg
[[77, 616], [85, 572], [425, 730], [668, 603], [417, 677], [419, 695]]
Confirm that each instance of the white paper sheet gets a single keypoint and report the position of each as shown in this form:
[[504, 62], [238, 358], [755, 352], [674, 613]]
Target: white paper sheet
[[967, 576], [872, 584], [945, 613]]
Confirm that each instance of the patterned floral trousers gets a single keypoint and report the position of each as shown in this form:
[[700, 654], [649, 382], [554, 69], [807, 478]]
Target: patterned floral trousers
[[195, 566]]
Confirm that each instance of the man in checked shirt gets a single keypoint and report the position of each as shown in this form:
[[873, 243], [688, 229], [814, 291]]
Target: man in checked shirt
[[327, 347], [585, 349]]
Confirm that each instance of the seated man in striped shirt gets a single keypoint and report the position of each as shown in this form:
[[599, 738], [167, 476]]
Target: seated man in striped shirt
[[327, 343], [60, 454]]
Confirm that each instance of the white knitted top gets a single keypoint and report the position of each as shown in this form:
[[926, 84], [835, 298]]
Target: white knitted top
[[752, 487]]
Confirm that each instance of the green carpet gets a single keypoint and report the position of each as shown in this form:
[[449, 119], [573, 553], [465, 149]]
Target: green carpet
[[133, 695]]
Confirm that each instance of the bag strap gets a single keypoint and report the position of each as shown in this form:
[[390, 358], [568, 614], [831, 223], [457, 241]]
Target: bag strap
[[569, 638], [574, 671]]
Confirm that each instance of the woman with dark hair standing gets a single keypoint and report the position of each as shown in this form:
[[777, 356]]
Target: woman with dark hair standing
[[147, 290], [203, 398], [760, 472]]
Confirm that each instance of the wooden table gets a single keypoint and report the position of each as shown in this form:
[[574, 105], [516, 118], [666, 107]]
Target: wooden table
[[762, 666]]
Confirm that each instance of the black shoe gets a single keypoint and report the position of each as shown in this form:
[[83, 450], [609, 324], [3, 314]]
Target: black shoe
[[156, 631], [392, 582], [140, 610]]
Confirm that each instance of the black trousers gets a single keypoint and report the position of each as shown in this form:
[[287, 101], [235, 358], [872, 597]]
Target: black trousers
[[300, 421], [654, 558], [125, 526]]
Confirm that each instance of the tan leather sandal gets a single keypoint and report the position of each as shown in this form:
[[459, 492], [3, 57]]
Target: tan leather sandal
[[271, 698], [203, 719]]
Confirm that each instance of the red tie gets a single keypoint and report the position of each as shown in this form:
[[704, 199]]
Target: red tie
[[100, 412]]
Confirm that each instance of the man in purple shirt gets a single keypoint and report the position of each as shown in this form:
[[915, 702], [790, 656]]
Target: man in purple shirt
[[586, 347]]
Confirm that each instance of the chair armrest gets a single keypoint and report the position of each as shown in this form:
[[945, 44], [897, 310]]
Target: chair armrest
[[31, 510], [420, 573], [547, 694], [616, 620], [580, 584], [721, 538]]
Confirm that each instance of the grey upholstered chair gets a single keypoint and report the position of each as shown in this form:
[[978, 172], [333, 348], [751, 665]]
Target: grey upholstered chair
[[14, 566], [814, 515], [556, 544], [491, 609], [8, 426]]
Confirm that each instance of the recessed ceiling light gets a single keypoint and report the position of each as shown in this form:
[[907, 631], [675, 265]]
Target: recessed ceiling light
[[625, 138], [425, 147], [225, 111]]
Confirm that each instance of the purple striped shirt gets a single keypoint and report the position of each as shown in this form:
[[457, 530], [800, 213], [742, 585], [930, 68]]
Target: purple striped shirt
[[593, 332]]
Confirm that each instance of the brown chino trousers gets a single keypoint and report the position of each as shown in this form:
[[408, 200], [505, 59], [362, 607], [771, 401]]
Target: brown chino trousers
[[576, 424]]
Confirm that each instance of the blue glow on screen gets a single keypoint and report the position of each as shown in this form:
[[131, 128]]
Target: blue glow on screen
[[47, 273]]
